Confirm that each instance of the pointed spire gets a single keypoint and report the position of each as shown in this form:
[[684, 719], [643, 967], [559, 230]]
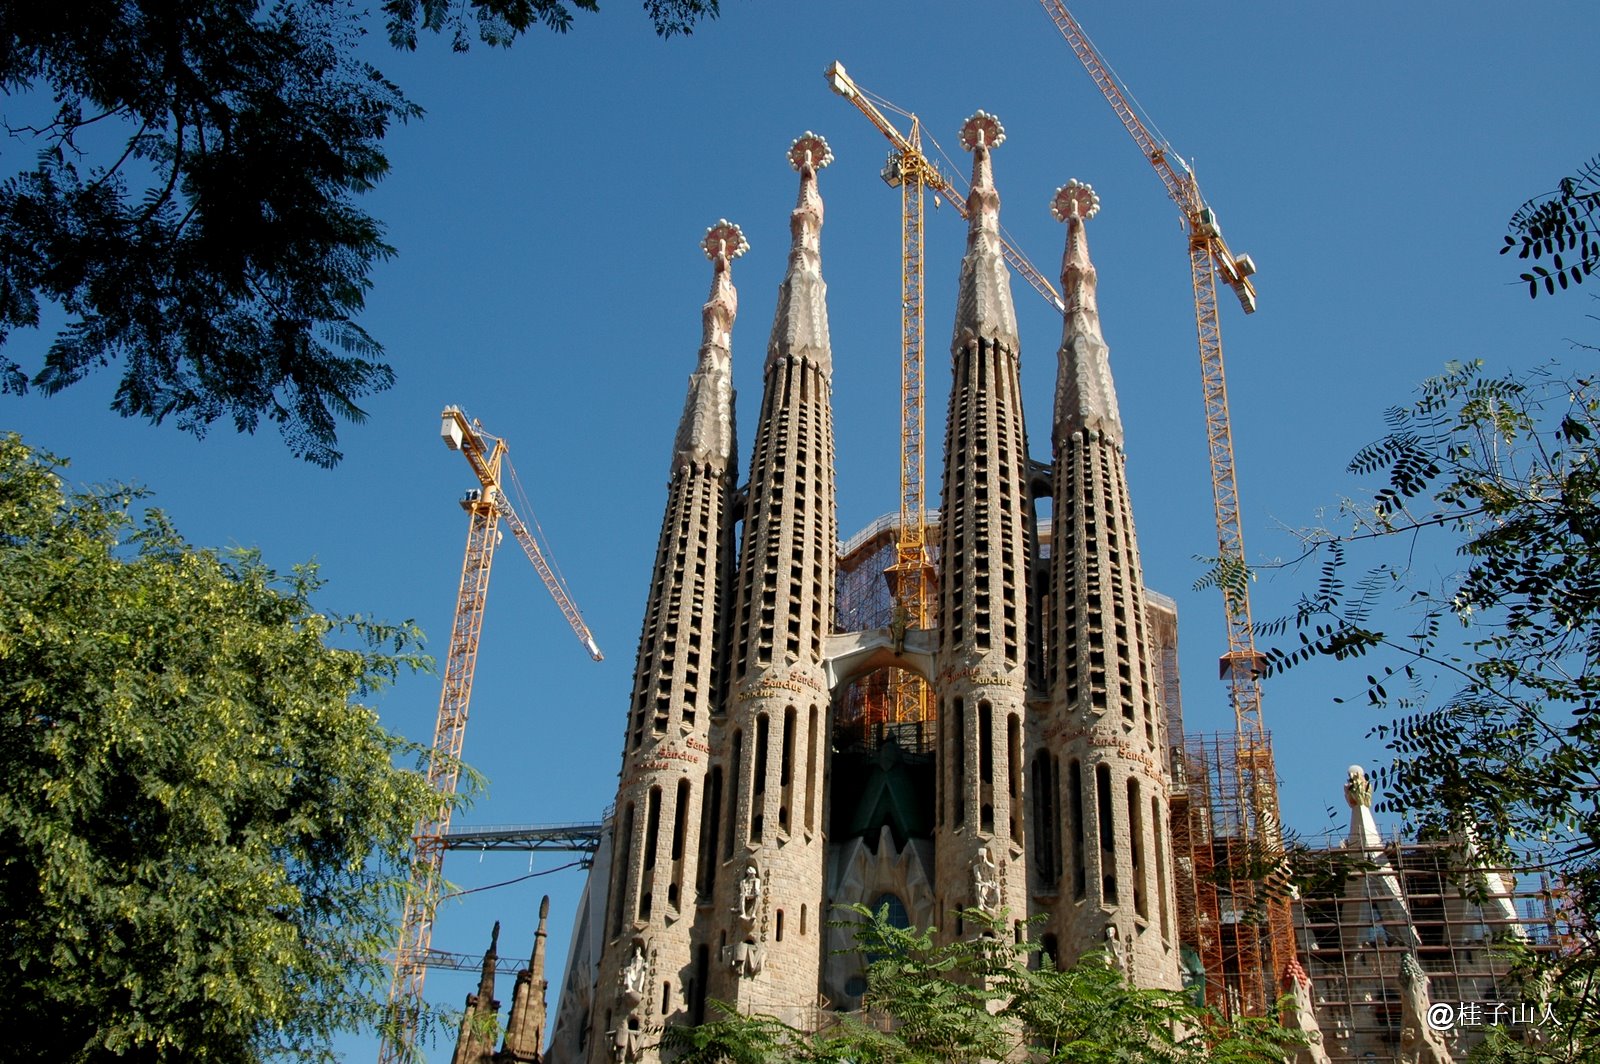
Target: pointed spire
[[983, 301], [1085, 395], [475, 1039], [536, 962], [800, 326], [525, 1023], [705, 431], [490, 960]]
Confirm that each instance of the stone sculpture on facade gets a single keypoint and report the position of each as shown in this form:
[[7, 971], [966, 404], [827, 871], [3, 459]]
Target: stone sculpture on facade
[[1419, 1042], [986, 883], [749, 895], [634, 976], [1301, 1015], [1357, 789]]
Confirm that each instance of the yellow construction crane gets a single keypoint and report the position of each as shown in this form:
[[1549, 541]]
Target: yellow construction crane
[[1209, 259], [1255, 776], [486, 507], [909, 170]]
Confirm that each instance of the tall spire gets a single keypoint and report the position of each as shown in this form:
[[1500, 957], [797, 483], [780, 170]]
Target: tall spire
[[655, 859], [1112, 873], [1085, 397], [525, 1024], [983, 302], [800, 326], [765, 834], [491, 957], [984, 537], [475, 1039], [706, 431]]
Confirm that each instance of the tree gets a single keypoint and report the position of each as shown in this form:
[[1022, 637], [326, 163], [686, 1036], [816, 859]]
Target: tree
[[980, 998], [1481, 604], [203, 832], [191, 204], [1557, 224]]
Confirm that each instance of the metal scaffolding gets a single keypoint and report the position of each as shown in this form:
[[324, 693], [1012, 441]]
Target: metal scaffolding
[[891, 702], [1233, 904], [1365, 911]]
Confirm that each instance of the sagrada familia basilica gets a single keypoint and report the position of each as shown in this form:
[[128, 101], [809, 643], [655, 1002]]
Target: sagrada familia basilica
[[1042, 785]]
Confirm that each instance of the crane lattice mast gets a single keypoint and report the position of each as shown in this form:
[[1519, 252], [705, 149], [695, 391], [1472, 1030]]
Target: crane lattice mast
[[910, 170], [1209, 259], [1241, 666], [487, 455]]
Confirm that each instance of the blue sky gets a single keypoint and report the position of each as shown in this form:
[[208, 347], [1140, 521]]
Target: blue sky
[[547, 212]]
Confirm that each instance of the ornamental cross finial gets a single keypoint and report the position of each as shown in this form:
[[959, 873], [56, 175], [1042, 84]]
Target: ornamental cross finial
[[982, 130], [725, 239], [809, 149], [1075, 199]]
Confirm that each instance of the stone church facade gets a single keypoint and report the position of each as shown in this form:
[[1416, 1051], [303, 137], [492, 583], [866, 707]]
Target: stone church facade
[[741, 819]]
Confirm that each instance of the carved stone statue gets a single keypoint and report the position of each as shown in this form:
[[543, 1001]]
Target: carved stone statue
[[749, 895], [634, 976], [1120, 950], [1419, 1042], [985, 883], [1357, 788]]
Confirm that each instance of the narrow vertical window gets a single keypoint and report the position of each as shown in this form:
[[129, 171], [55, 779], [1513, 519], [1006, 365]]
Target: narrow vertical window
[[1136, 835], [1044, 823], [652, 830], [735, 782], [958, 764], [1156, 821], [1108, 835], [985, 743], [758, 789], [786, 769], [711, 827], [811, 770], [1079, 831], [621, 888], [760, 765], [1014, 768], [680, 827], [697, 993], [680, 812], [652, 827]]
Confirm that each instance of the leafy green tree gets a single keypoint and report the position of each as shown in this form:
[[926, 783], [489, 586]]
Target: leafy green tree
[[189, 200], [1557, 228], [203, 832], [988, 998], [1469, 577], [1570, 1036]]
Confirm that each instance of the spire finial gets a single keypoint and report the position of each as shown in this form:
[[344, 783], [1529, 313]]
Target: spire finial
[[983, 301], [1085, 395], [722, 243], [979, 134], [1075, 199], [808, 154], [800, 326], [809, 150], [724, 240], [705, 431]]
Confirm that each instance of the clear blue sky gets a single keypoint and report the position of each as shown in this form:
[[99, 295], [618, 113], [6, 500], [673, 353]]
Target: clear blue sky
[[547, 211]]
